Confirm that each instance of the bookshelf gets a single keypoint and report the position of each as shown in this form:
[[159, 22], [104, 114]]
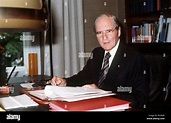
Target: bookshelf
[[142, 25], [142, 16]]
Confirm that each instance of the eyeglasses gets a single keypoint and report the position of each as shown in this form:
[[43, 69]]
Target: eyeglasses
[[107, 32]]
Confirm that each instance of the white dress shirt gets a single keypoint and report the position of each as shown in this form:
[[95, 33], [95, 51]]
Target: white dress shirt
[[112, 53]]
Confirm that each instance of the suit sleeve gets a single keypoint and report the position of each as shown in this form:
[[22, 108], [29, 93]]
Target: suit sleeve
[[89, 73]]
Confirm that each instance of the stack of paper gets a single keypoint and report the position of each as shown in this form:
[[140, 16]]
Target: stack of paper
[[69, 94]]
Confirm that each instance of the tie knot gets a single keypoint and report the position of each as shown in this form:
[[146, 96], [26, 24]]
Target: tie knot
[[107, 56]]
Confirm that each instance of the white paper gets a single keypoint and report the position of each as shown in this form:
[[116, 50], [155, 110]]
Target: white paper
[[69, 94], [27, 85], [11, 102]]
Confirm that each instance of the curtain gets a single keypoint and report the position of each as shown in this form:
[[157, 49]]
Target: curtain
[[68, 37]]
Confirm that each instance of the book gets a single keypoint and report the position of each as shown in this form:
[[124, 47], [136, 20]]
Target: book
[[163, 34], [134, 34], [69, 94], [160, 26], [168, 39], [96, 104], [18, 101]]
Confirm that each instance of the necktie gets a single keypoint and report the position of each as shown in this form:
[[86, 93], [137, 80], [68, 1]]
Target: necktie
[[104, 70]]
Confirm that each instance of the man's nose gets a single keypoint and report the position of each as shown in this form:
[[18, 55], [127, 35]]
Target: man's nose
[[104, 35]]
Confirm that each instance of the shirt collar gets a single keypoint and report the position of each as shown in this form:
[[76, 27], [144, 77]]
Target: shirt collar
[[114, 49]]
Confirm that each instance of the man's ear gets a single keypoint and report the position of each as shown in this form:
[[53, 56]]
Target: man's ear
[[119, 32]]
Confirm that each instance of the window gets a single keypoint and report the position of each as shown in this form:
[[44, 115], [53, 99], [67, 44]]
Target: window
[[13, 53], [17, 46]]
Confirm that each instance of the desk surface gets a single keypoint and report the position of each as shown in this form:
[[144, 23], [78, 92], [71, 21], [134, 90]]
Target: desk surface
[[29, 78], [44, 107]]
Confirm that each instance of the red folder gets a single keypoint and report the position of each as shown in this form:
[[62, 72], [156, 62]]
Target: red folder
[[96, 104]]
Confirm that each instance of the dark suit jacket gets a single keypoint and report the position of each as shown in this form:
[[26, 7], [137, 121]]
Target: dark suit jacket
[[128, 71]]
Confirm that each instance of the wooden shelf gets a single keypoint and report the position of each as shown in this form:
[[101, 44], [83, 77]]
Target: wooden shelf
[[136, 15], [153, 48]]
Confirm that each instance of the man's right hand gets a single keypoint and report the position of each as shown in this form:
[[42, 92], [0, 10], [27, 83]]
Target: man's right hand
[[56, 81]]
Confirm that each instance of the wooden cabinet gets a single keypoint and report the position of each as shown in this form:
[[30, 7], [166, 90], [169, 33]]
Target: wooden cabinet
[[142, 25]]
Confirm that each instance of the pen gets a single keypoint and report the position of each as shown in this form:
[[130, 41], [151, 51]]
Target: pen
[[7, 89], [48, 82], [10, 75]]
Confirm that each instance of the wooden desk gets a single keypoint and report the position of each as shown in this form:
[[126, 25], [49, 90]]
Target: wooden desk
[[41, 107]]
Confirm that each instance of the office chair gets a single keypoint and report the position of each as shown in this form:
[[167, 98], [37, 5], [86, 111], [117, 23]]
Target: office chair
[[159, 78]]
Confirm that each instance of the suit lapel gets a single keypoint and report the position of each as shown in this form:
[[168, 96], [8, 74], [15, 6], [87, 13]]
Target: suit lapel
[[98, 59], [116, 63]]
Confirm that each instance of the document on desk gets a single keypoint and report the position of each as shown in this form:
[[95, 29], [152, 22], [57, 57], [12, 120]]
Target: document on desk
[[69, 94], [19, 101]]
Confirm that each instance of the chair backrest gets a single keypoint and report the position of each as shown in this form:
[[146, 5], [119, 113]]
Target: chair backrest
[[159, 77]]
